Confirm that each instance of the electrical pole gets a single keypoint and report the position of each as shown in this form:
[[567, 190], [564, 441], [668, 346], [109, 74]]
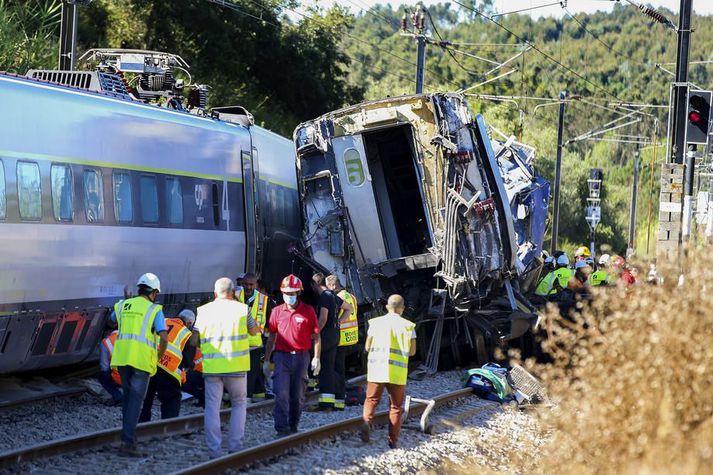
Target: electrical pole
[[68, 35], [672, 204], [420, 63], [677, 134], [632, 208], [418, 25], [558, 175]]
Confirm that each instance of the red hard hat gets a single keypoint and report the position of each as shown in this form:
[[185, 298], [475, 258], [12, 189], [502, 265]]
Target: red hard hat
[[291, 283]]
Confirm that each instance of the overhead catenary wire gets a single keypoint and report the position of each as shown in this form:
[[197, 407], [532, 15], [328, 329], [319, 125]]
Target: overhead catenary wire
[[539, 50], [536, 7], [596, 37], [232, 6], [360, 40], [450, 53]]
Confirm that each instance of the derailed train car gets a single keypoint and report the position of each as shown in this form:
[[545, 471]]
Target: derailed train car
[[407, 195]]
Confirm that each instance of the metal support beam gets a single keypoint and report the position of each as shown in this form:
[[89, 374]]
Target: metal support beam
[[558, 176], [632, 206], [420, 63], [68, 36], [677, 133]]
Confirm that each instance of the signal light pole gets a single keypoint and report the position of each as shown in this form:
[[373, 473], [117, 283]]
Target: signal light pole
[[677, 133]]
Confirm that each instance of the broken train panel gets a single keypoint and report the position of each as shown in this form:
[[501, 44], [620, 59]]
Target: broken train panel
[[529, 195], [405, 195]]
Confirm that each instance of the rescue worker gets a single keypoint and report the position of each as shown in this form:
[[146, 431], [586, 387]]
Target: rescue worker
[[562, 275], [170, 377], [624, 277], [547, 269], [600, 276], [258, 304], [194, 384], [582, 272], [136, 354], [225, 325], [293, 330], [348, 338], [327, 308], [108, 377], [390, 341], [556, 280], [581, 253]]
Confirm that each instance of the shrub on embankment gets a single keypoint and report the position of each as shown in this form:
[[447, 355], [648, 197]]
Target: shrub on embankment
[[632, 375]]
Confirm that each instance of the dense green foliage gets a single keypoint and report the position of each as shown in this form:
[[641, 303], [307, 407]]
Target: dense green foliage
[[287, 66]]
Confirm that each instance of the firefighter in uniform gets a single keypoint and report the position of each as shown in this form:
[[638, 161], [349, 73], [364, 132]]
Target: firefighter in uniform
[[168, 380], [348, 338], [258, 305], [390, 341], [225, 325], [136, 352]]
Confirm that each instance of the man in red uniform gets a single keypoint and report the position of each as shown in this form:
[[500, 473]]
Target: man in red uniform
[[293, 330]]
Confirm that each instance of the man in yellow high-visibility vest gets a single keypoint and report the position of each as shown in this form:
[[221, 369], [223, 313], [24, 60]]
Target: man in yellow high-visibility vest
[[390, 341], [136, 352], [225, 325], [348, 338], [258, 304]]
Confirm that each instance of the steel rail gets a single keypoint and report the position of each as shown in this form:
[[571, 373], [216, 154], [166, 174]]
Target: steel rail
[[165, 427], [278, 447]]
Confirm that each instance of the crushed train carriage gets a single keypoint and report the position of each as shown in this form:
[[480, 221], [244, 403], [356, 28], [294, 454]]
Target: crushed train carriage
[[408, 195]]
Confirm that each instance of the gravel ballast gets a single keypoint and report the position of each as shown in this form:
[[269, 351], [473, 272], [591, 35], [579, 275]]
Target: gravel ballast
[[476, 438]]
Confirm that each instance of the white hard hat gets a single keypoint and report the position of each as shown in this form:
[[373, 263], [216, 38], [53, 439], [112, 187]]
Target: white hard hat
[[604, 259], [187, 316], [563, 260], [150, 280]]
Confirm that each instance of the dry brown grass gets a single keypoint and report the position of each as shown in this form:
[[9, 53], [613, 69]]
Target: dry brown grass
[[633, 378]]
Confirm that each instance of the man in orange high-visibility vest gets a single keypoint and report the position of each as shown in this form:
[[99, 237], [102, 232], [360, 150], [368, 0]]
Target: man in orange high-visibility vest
[[170, 376]]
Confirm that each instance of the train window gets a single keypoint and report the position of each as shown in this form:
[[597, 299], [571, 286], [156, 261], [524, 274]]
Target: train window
[[174, 201], [29, 191], [149, 198], [62, 192], [123, 202], [3, 206], [93, 196]]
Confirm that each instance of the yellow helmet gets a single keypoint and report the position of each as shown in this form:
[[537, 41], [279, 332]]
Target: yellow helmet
[[582, 251]]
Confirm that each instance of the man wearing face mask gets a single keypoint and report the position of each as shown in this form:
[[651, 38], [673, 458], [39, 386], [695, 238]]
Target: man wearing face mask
[[258, 305], [293, 330]]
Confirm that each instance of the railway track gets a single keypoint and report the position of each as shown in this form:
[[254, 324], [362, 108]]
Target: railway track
[[161, 428], [253, 455], [183, 437]]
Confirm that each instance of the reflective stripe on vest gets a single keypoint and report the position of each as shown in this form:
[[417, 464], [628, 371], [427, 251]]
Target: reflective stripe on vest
[[198, 361], [258, 310], [178, 336], [135, 344], [224, 337], [348, 329], [389, 353]]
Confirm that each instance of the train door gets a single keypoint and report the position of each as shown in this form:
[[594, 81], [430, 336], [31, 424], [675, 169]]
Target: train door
[[253, 244]]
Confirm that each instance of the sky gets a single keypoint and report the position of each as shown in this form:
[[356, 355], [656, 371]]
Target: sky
[[701, 7]]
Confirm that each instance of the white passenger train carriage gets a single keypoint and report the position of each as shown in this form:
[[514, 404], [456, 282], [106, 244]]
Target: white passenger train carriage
[[96, 189]]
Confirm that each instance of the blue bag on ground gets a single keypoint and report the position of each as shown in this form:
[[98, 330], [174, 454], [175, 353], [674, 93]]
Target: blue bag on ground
[[489, 382]]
